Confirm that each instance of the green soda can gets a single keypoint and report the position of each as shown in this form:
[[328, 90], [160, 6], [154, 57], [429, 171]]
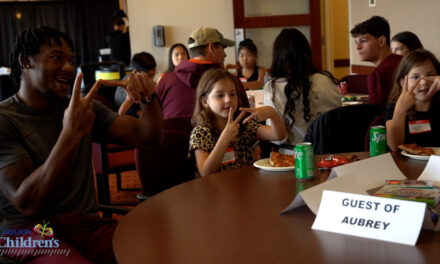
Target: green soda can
[[304, 161], [378, 141]]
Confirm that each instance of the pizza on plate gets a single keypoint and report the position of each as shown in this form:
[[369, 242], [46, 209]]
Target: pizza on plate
[[278, 159], [417, 150]]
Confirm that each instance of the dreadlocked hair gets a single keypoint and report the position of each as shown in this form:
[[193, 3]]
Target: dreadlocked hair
[[28, 43]]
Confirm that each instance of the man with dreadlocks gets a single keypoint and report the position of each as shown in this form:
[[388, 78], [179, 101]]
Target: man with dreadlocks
[[46, 173]]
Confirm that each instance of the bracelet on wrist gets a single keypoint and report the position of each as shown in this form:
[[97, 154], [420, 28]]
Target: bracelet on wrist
[[152, 98]]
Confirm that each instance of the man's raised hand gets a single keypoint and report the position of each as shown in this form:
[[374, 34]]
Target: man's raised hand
[[138, 86], [79, 115]]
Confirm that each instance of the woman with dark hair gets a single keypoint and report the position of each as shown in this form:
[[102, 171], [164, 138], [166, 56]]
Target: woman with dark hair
[[177, 53], [404, 42], [298, 91]]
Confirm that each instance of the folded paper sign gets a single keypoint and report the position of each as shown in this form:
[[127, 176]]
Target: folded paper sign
[[364, 176]]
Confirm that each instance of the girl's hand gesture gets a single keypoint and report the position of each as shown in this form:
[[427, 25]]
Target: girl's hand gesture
[[435, 84], [407, 98], [232, 126], [258, 114]]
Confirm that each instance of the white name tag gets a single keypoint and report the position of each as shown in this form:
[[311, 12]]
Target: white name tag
[[419, 126], [366, 216], [229, 156]]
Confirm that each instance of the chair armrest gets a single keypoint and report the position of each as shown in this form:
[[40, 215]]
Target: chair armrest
[[113, 209]]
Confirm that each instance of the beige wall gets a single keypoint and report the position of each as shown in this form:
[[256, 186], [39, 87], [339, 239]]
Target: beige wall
[[421, 17], [179, 18]]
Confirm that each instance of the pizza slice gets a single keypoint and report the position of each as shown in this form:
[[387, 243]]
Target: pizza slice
[[278, 159], [417, 150]]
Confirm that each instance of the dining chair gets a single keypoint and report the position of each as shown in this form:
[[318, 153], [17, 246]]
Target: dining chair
[[167, 165], [108, 159], [356, 83], [181, 123], [342, 129]]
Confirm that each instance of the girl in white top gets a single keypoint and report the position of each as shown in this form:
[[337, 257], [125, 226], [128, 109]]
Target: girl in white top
[[297, 90]]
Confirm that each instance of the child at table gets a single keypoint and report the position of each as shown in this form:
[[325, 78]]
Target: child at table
[[220, 139], [412, 116], [248, 71]]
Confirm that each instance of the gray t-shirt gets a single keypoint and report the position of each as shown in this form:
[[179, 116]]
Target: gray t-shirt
[[27, 132]]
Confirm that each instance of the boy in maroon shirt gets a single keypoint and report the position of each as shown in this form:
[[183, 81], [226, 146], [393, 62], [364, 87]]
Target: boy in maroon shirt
[[372, 38]]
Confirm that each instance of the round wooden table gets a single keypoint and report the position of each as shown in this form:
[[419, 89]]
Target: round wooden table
[[233, 217]]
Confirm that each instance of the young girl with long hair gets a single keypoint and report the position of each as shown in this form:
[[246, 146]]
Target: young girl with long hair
[[220, 139], [298, 91], [248, 71], [414, 102]]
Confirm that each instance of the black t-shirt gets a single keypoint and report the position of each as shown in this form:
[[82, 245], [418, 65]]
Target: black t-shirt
[[425, 139], [119, 44], [253, 77]]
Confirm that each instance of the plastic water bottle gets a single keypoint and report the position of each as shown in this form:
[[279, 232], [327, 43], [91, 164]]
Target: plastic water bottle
[[267, 77]]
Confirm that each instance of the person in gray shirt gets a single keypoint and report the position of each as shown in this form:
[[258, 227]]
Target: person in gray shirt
[[46, 173]]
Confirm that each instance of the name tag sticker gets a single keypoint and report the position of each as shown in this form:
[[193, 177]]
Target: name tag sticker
[[372, 217], [419, 126], [229, 156]]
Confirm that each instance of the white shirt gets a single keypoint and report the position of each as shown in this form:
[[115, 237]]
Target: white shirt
[[324, 95]]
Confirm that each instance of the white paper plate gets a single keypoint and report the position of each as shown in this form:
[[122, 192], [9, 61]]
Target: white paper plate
[[420, 157], [264, 164], [417, 157]]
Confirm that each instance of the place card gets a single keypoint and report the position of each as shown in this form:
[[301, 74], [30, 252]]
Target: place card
[[431, 171], [391, 220]]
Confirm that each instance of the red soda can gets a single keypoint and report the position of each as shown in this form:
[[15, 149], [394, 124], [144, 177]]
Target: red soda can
[[343, 88]]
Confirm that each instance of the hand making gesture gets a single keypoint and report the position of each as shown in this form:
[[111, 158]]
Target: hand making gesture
[[232, 126], [434, 82], [407, 98], [138, 86], [79, 116], [258, 114], [275, 131]]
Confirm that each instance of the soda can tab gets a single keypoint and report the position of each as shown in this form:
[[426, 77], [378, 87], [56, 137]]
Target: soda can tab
[[343, 88], [251, 99], [378, 141], [304, 161]]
